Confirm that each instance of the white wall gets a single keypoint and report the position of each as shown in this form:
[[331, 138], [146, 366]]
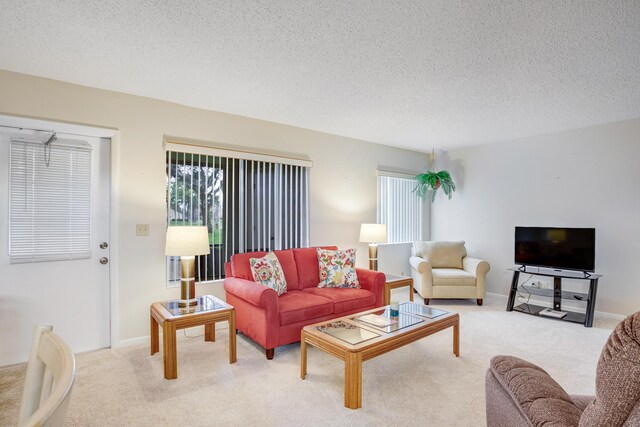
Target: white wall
[[342, 181], [580, 178]]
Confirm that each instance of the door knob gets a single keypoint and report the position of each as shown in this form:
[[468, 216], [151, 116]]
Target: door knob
[[104, 245], [104, 260]]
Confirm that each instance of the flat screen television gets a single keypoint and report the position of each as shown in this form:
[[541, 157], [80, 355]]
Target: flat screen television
[[557, 248]]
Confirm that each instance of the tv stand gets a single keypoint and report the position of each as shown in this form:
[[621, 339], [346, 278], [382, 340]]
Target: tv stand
[[556, 293]]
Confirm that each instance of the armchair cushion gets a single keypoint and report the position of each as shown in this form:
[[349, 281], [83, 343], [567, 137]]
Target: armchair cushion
[[452, 277], [297, 306], [534, 393], [345, 299], [441, 254]]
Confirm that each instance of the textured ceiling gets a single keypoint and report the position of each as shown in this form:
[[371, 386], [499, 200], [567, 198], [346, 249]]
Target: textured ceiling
[[415, 74]]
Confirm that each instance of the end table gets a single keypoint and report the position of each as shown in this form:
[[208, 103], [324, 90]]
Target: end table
[[171, 317], [395, 281]]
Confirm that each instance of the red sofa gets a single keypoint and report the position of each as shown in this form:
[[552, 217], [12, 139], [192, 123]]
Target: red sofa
[[272, 320]]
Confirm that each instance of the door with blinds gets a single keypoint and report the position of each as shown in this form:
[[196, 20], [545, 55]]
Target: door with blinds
[[55, 230]]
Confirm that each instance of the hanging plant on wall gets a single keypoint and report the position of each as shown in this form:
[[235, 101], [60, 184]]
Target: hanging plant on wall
[[429, 182]]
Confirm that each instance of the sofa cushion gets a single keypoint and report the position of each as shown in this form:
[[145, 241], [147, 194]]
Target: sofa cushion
[[241, 267], [337, 269], [307, 266], [345, 299], [452, 277], [441, 254], [298, 306], [268, 272]]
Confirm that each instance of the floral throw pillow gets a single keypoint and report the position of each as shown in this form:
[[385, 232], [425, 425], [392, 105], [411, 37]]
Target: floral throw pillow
[[268, 271], [337, 269]]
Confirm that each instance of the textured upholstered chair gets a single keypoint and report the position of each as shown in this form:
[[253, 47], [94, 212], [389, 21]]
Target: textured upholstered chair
[[519, 393], [443, 270]]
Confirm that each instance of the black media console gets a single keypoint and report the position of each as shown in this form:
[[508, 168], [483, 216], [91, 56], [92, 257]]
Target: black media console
[[556, 293]]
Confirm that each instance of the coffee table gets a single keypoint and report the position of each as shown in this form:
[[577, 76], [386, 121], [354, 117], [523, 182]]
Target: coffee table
[[172, 317], [354, 339]]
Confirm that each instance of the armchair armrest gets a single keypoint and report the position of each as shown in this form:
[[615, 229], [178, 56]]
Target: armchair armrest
[[518, 391], [373, 281], [475, 266], [479, 269], [254, 293], [421, 265]]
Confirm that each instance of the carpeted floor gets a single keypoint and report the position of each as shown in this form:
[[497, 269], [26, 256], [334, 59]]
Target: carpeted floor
[[419, 384]]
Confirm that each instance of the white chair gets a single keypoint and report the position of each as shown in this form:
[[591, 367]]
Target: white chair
[[443, 270], [50, 375]]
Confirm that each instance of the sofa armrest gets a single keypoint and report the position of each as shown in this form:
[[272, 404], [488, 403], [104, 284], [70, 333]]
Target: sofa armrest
[[373, 281], [254, 293], [517, 390]]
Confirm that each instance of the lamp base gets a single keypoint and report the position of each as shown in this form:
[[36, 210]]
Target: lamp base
[[187, 282], [373, 256]]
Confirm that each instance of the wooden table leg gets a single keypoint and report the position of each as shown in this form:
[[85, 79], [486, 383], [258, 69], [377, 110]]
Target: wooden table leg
[[210, 332], [387, 293], [155, 336], [353, 380], [232, 337], [456, 339], [169, 350], [303, 357], [411, 291]]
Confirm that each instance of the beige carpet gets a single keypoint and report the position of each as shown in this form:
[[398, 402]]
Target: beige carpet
[[419, 384]]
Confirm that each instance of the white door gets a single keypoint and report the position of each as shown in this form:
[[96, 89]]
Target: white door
[[72, 295]]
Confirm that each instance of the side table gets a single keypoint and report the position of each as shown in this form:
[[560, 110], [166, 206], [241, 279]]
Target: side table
[[171, 317], [395, 281]]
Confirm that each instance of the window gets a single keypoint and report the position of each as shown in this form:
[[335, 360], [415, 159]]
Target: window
[[50, 201], [248, 204], [400, 208]]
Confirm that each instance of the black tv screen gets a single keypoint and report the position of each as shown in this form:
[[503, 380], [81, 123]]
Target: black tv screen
[[558, 248]]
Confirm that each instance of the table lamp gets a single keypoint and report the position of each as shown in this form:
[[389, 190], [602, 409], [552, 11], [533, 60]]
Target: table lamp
[[373, 234], [187, 242]]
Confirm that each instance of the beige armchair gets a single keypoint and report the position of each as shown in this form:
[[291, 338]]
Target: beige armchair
[[443, 270], [519, 393]]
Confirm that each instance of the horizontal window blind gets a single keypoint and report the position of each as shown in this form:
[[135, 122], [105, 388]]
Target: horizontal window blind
[[247, 205], [50, 201], [400, 209]]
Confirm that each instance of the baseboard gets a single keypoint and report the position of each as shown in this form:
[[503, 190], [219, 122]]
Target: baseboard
[[193, 332], [570, 307]]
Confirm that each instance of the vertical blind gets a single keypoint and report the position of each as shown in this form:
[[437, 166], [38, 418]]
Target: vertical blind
[[50, 201], [247, 206], [400, 209]]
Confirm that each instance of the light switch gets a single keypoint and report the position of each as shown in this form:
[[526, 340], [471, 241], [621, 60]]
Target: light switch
[[142, 229]]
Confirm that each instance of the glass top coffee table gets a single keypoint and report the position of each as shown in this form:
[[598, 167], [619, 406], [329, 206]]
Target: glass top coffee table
[[363, 336]]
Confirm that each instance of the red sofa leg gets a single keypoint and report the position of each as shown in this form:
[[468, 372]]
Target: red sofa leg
[[426, 301], [269, 352], [479, 301]]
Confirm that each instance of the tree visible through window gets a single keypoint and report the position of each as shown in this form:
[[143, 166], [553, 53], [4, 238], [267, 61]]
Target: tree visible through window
[[247, 206]]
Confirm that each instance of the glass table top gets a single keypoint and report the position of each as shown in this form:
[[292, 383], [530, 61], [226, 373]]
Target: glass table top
[[347, 332], [421, 310], [383, 320], [204, 303]]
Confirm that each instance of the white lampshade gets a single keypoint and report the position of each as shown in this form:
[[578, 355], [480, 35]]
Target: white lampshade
[[187, 241], [373, 233]]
